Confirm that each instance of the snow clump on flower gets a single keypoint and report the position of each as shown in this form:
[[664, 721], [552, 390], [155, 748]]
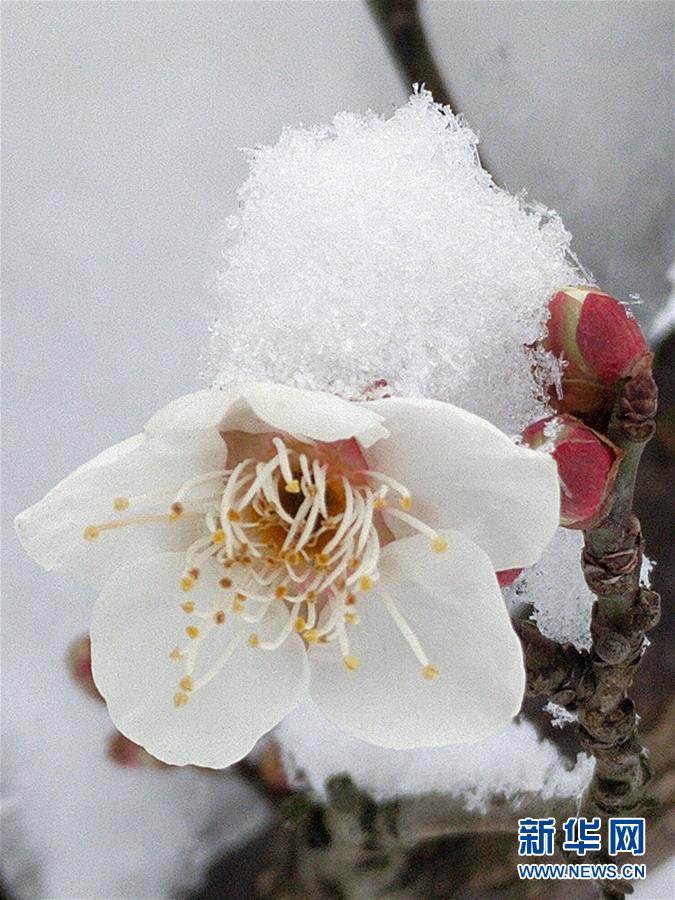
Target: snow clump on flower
[[378, 248]]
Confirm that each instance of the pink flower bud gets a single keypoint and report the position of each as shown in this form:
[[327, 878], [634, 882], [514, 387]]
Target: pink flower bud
[[128, 754], [271, 769], [599, 340], [587, 466], [78, 662], [507, 577]]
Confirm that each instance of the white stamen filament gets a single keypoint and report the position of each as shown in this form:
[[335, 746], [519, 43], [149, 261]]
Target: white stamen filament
[[275, 525], [195, 482], [219, 663], [414, 522], [404, 628], [400, 489], [283, 634]]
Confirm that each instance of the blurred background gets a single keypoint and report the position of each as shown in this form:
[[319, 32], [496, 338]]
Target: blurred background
[[123, 131]]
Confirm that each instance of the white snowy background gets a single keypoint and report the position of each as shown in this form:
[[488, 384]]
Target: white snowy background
[[122, 129]]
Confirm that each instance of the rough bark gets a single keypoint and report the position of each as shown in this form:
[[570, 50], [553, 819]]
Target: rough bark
[[596, 685]]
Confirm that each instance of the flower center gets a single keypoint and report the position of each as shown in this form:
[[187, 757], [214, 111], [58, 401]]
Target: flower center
[[300, 528]]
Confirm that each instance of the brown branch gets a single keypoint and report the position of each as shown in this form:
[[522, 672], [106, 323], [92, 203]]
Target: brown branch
[[597, 685], [560, 671], [401, 26], [624, 611]]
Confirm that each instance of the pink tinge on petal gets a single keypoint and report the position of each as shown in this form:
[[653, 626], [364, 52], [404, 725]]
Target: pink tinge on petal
[[344, 457]]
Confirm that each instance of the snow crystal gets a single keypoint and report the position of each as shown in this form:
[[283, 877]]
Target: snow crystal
[[646, 570], [512, 763], [559, 715], [378, 248], [556, 587]]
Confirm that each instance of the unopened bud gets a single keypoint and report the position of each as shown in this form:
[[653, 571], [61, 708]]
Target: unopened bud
[[507, 577], [130, 755], [78, 662], [587, 465], [599, 341], [271, 770]]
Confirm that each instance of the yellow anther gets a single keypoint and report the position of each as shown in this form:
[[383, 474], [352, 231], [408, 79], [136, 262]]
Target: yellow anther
[[405, 502], [322, 559], [239, 597], [310, 596], [175, 654], [219, 617], [192, 632], [254, 641], [300, 624], [188, 607], [430, 672], [353, 563], [280, 592], [225, 582], [352, 663], [91, 532], [439, 545], [121, 503], [292, 557], [186, 684], [380, 503], [233, 515], [311, 635], [180, 700], [218, 536], [352, 618], [293, 487], [187, 583], [366, 583], [176, 511], [237, 606]]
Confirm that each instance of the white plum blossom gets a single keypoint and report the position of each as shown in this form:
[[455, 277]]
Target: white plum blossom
[[261, 543]]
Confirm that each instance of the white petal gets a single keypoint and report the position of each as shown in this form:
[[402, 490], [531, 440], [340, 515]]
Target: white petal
[[191, 412], [257, 407], [137, 621], [464, 473], [453, 604], [52, 530]]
